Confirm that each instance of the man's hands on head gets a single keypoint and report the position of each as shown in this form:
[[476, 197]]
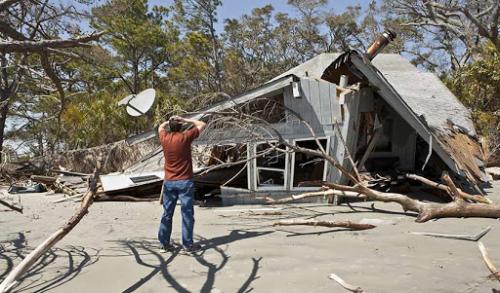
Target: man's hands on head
[[197, 123]]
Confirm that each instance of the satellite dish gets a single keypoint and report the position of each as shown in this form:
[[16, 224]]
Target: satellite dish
[[139, 104]]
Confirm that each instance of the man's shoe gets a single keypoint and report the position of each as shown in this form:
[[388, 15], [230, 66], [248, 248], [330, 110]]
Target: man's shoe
[[193, 248], [168, 248]]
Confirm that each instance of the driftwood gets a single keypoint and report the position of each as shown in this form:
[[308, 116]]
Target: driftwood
[[11, 206], [330, 224], [346, 285], [475, 237], [11, 280], [488, 261]]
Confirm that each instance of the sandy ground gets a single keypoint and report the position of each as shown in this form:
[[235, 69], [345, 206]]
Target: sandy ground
[[114, 249]]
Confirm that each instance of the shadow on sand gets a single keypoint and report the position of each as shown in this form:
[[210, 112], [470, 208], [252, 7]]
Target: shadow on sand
[[146, 253], [69, 263]]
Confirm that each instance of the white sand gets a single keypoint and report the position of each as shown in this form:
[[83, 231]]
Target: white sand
[[114, 249]]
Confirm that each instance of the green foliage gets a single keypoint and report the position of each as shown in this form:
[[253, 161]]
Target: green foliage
[[478, 86]]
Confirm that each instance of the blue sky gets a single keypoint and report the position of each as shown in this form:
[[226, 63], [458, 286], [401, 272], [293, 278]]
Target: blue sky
[[237, 8]]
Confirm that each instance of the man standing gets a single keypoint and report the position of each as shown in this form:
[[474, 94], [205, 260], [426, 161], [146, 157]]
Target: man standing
[[178, 181]]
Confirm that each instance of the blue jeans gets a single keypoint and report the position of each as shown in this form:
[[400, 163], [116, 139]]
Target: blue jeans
[[172, 190]]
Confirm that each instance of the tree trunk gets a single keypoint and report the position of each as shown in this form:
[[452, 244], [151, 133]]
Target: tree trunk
[[4, 110]]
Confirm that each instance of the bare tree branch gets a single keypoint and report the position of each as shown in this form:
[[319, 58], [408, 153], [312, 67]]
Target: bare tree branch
[[37, 46]]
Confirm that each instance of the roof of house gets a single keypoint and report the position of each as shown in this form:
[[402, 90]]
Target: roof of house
[[423, 91]]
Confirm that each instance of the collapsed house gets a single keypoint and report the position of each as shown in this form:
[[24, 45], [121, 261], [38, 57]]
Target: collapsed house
[[391, 117]]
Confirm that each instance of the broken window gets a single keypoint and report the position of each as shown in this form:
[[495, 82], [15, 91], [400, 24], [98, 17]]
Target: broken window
[[232, 175], [271, 165], [308, 167]]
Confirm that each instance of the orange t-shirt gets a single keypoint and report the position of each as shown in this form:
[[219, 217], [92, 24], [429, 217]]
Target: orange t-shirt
[[177, 152]]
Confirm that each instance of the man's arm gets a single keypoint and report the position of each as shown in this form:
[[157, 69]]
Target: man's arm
[[162, 126], [197, 123]]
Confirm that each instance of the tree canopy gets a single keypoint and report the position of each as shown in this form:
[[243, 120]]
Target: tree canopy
[[64, 66]]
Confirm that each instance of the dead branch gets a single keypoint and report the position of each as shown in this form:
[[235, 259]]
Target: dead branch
[[37, 46], [11, 206], [295, 197], [12, 279], [488, 261], [330, 224], [471, 197], [346, 285], [475, 237]]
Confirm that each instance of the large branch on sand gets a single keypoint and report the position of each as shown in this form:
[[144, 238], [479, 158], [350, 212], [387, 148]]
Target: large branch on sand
[[37, 46], [330, 224], [427, 211], [12, 279], [11, 206]]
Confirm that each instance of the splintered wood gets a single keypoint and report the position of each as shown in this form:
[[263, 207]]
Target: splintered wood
[[464, 151]]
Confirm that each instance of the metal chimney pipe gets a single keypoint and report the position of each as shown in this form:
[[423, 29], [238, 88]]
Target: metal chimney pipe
[[380, 43]]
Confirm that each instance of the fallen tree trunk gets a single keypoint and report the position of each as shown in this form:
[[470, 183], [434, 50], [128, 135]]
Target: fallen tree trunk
[[12, 279], [330, 224], [427, 211]]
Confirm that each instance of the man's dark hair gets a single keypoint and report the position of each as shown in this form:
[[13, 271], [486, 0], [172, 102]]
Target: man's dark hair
[[175, 125]]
